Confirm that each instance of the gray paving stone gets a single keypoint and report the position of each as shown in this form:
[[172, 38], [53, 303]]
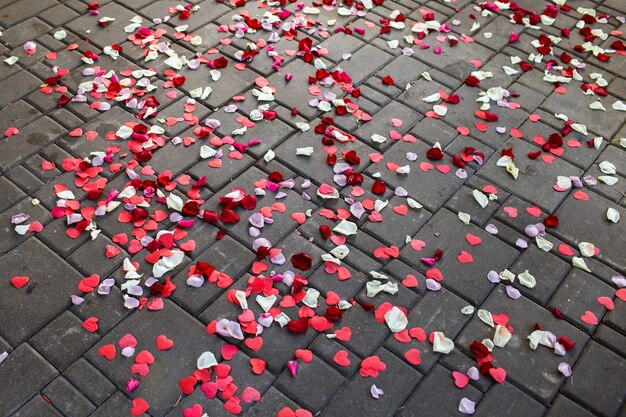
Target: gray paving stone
[[91, 258], [109, 309], [382, 124], [90, 381], [188, 335], [611, 338], [67, 399], [63, 340], [536, 371], [24, 179], [37, 406], [306, 388], [9, 194], [32, 139], [9, 239], [108, 121], [87, 25], [548, 268], [271, 403], [564, 406], [598, 231], [578, 294], [517, 404], [469, 280], [603, 391], [437, 311], [536, 177], [44, 297], [398, 380], [195, 300], [30, 29], [326, 349], [117, 404], [14, 13], [432, 187], [34, 373], [435, 395]]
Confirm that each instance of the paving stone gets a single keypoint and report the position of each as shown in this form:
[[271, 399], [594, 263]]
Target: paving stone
[[365, 337], [536, 371], [33, 371], [37, 406], [271, 133], [430, 188], [90, 381], [578, 294], [463, 201], [117, 404], [460, 115], [431, 130], [9, 239], [44, 297], [597, 230], [435, 396], [365, 62], [67, 399], [548, 270], [14, 13], [346, 289], [458, 361], [63, 340], [613, 192], [339, 45], [455, 62], [283, 224], [9, 194], [603, 123], [24, 179], [563, 406], [517, 403], [18, 114], [536, 177], [189, 336], [611, 338], [616, 318], [30, 29], [315, 166], [382, 124], [92, 257], [32, 139], [582, 156], [58, 15], [218, 177], [469, 280], [103, 36], [108, 121], [287, 91], [306, 389], [271, 403], [214, 406], [326, 349], [109, 309], [387, 230], [435, 311], [603, 391], [232, 83], [398, 380], [220, 255]]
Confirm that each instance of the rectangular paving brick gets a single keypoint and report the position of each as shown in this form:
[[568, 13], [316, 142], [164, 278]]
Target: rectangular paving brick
[[34, 373], [45, 296]]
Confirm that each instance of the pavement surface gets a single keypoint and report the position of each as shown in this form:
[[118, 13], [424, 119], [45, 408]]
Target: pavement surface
[[361, 208]]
